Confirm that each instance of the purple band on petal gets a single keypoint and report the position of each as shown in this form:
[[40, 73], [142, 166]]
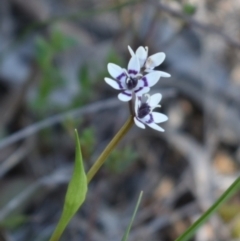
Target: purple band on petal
[[132, 71], [120, 84], [140, 88], [144, 79], [150, 119], [120, 76], [125, 93]]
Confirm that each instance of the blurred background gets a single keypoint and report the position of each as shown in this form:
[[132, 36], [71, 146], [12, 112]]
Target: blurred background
[[53, 60]]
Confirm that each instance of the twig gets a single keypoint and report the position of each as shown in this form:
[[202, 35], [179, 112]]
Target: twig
[[199, 161], [16, 99], [28, 131], [226, 116], [191, 21], [163, 221], [78, 15], [15, 158], [37, 10], [89, 109], [58, 177]]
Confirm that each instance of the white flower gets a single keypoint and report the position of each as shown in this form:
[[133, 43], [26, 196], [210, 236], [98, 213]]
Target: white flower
[[144, 114], [149, 63], [131, 82]]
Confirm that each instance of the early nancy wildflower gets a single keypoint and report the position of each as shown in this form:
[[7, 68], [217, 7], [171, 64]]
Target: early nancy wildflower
[[132, 81], [136, 81], [144, 112], [149, 63]]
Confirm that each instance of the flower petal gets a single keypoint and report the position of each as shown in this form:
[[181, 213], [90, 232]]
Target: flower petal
[[148, 119], [165, 74], [155, 127], [138, 123], [155, 60], [130, 50], [116, 85], [141, 90], [142, 55], [159, 117], [142, 52], [155, 99], [125, 95], [151, 78], [116, 72], [133, 66], [136, 106]]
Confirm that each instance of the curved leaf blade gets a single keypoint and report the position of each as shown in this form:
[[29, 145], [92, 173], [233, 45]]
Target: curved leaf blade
[[125, 236], [76, 193], [193, 228]]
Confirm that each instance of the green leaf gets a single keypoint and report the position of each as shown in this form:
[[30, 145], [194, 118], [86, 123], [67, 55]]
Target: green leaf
[[44, 53], [13, 222], [193, 228], [76, 193], [189, 9], [125, 236], [84, 78], [61, 42], [236, 228], [120, 160]]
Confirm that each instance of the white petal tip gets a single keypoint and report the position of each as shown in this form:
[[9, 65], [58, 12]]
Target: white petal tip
[[112, 83], [155, 60], [156, 127], [130, 50], [134, 64], [164, 74], [109, 65], [124, 97], [159, 117], [139, 124]]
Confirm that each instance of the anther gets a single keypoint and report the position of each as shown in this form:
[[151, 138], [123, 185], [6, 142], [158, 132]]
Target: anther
[[144, 110], [131, 82]]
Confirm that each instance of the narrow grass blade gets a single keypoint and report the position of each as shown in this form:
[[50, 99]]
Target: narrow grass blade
[[193, 228], [76, 193], [125, 237]]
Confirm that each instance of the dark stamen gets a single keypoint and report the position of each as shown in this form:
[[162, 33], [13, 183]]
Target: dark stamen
[[144, 110], [131, 82]]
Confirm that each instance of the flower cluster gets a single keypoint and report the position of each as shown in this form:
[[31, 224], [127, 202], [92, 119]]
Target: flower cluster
[[134, 83]]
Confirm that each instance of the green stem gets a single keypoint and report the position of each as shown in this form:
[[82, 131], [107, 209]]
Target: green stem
[[116, 139], [193, 228]]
